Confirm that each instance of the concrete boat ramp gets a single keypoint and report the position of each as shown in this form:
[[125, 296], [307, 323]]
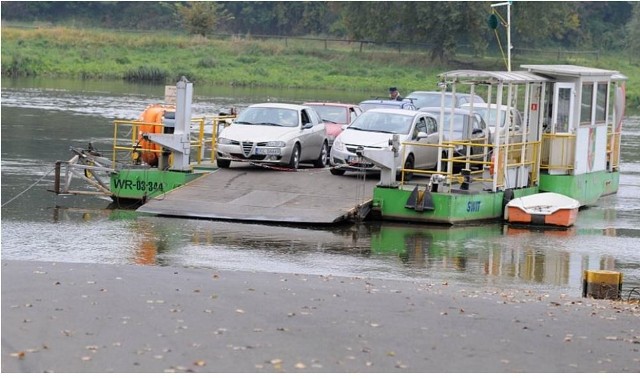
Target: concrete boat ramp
[[258, 194]]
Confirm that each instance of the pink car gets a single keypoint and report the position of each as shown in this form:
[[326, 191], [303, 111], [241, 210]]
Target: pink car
[[336, 116]]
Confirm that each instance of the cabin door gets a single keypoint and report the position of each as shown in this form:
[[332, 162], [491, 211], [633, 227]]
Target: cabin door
[[561, 147]]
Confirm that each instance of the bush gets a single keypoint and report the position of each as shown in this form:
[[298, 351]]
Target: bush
[[20, 66], [207, 62], [146, 74]]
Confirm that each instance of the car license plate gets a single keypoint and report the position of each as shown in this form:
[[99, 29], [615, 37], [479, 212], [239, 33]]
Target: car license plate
[[267, 151], [354, 160]]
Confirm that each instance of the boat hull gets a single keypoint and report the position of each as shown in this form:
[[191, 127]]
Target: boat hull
[[586, 188], [142, 184], [561, 218], [543, 209], [448, 208]]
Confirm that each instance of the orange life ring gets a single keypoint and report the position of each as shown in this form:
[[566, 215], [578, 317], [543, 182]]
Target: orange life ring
[[493, 162], [153, 115]]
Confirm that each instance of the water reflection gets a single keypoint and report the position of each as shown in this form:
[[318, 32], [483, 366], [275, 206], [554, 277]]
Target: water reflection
[[492, 254], [40, 123]]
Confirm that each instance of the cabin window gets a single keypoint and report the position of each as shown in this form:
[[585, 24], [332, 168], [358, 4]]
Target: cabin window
[[587, 103], [563, 110], [601, 102]]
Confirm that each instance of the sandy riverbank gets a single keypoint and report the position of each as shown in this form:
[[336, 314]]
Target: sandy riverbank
[[62, 317]]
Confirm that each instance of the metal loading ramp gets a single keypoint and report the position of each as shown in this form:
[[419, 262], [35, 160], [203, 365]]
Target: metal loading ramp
[[250, 193]]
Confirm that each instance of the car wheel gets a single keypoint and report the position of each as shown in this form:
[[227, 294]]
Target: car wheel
[[336, 171], [223, 163], [294, 162], [322, 159], [408, 165]]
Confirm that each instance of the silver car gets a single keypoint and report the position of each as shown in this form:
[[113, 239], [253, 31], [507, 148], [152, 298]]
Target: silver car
[[375, 127], [494, 119], [274, 134], [422, 99], [460, 124]]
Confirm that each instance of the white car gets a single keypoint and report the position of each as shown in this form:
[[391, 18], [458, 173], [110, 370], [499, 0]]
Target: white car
[[374, 128], [274, 134], [492, 117]]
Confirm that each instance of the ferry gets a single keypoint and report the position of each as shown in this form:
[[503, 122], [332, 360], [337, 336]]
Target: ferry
[[163, 149], [569, 144]]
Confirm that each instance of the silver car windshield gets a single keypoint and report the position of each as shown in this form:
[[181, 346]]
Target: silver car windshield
[[268, 116], [489, 116], [458, 122], [383, 123], [331, 113], [431, 100]]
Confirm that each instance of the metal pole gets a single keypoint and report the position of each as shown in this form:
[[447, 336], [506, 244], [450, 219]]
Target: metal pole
[[509, 34], [509, 47]]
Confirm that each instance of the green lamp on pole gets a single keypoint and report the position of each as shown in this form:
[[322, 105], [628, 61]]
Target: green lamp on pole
[[493, 24]]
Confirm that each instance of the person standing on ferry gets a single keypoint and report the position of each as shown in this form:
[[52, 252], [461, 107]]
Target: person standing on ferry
[[394, 94]]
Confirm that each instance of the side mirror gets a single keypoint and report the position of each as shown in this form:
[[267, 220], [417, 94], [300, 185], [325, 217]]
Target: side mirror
[[308, 125], [422, 135], [221, 126]]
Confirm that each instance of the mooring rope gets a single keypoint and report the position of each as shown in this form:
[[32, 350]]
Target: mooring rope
[[28, 188]]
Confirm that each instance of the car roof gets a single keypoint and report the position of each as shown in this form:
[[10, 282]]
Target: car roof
[[408, 112], [436, 110], [485, 105], [458, 94], [331, 104], [383, 101], [427, 93], [296, 107], [386, 102]]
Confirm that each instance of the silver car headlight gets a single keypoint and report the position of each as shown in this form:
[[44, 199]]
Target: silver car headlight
[[276, 144], [225, 141], [338, 144]]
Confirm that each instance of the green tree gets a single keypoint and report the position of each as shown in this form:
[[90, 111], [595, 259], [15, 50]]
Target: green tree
[[542, 23], [443, 25], [281, 17], [439, 25], [633, 32], [202, 17], [372, 20], [602, 25]]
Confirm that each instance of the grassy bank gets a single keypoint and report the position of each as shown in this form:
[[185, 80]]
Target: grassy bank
[[291, 63]]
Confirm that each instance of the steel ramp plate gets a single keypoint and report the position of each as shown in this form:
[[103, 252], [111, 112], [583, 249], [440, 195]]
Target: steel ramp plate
[[257, 194]]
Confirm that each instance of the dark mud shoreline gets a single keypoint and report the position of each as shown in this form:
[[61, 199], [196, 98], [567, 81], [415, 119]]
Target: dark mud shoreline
[[79, 318]]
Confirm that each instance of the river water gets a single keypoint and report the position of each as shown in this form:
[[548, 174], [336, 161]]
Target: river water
[[41, 119]]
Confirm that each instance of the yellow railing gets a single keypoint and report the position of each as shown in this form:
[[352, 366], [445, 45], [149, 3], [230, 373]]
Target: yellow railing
[[613, 148], [566, 150], [216, 123], [518, 154], [127, 139]]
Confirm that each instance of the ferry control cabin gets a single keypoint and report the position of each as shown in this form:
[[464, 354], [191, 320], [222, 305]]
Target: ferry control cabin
[[584, 109]]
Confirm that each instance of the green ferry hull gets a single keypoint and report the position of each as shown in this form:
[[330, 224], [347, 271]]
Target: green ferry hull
[[449, 208], [586, 188], [143, 184]]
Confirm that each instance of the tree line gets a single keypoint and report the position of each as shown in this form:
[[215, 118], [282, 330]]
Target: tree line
[[442, 26]]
